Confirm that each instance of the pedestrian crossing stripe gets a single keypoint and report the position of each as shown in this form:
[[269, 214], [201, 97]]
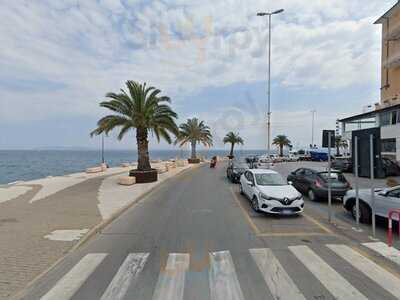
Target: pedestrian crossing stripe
[[338, 286], [276, 278], [67, 286], [224, 284], [372, 270], [384, 250], [222, 278], [126, 276], [171, 282]]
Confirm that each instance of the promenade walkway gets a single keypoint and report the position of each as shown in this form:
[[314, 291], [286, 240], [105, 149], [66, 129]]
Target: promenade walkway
[[41, 220]]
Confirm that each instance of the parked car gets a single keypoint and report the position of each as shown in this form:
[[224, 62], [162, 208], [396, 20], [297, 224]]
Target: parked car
[[390, 167], [235, 169], [342, 164], [269, 192], [276, 158], [315, 183], [293, 157], [385, 199]]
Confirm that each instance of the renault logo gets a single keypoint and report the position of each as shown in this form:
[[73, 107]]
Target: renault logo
[[286, 201]]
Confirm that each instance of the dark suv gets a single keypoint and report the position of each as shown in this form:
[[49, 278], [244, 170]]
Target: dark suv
[[235, 169]]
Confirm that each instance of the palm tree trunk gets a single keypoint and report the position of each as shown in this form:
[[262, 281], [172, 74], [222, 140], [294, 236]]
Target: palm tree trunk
[[143, 150], [232, 145], [193, 150], [280, 150]]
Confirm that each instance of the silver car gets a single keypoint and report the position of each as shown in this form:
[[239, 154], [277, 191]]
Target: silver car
[[385, 199]]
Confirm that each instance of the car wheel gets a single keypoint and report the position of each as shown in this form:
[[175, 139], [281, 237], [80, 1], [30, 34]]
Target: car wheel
[[365, 213], [241, 189], [254, 204], [311, 195]]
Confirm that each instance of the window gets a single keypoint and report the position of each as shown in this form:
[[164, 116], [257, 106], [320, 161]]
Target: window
[[394, 193], [270, 179], [394, 117], [335, 177], [388, 145], [390, 118], [249, 177], [299, 172], [385, 119], [308, 173]]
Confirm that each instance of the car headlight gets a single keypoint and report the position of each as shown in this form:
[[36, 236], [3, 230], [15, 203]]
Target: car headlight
[[265, 197], [299, 197]]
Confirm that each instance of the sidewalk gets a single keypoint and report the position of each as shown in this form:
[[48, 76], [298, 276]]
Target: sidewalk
[[41, 220]]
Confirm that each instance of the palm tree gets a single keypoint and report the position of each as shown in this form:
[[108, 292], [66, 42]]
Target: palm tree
[[194, 132], [340, 143], [141, 108], [281, 141], [232, 138]]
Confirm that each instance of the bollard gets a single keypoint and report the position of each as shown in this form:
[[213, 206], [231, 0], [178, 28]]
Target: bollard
[[390, 226]]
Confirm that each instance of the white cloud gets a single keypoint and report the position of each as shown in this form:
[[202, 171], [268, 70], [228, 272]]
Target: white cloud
[[91, 47]]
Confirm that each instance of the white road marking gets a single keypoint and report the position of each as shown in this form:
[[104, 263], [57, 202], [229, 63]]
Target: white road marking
[[67, 286], [279, 283], [383, 249], [224, 284], [338, 286], [171, 281], [126, 275], [66, 235], [385, 279]]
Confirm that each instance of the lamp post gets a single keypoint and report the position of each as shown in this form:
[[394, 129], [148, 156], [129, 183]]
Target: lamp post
[[312, 127], [269, 14]]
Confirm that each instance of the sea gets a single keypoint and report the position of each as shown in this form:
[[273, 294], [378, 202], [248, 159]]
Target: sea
[[24, 165]]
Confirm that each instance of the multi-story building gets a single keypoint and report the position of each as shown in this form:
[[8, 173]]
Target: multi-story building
[[386, 114]]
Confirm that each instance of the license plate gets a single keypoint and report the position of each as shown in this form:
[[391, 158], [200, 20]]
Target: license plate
[[286, 212]]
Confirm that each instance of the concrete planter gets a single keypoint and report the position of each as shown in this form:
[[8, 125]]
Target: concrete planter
[[194, 160], [144, 176]]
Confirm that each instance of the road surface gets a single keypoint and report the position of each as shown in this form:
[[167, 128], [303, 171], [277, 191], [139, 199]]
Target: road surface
[[197, 238]]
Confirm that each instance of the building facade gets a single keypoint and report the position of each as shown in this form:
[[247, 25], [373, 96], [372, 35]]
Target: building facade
[[386, 113]]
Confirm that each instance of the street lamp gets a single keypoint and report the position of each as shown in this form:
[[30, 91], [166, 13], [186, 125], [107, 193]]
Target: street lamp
[[269, 14], [312, 127]]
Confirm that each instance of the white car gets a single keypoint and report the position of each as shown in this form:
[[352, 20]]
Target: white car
[[385, 199], [270, 193]]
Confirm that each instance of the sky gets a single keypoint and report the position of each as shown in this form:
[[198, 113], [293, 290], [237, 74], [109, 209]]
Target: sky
[[58, 59]]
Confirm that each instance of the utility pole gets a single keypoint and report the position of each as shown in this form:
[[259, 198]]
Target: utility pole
[[269, 14]]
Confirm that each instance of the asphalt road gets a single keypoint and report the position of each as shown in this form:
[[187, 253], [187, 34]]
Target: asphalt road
[[197, 238]]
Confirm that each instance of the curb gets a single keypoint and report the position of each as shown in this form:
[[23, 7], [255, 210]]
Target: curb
[[97, 228]]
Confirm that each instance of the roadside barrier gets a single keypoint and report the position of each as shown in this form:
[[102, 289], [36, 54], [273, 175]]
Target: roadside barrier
[[390, 219]]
